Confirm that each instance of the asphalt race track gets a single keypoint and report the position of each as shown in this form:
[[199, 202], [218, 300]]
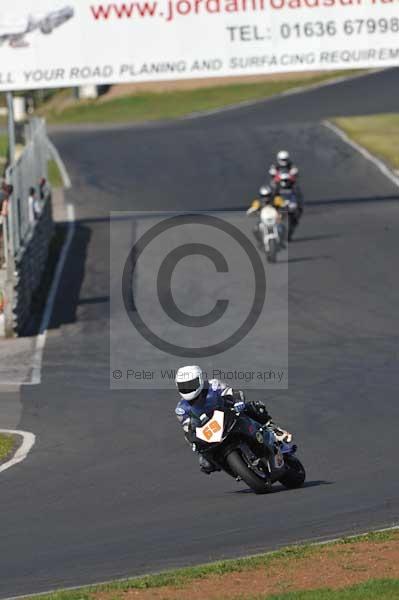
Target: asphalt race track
[[111, 489]]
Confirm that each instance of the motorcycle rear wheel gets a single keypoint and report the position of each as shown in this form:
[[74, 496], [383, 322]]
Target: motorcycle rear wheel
[[240, 468], [296, 475], [271, 254], [292, 223]]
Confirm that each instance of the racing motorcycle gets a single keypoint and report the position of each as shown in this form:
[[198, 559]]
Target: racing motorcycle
[[289, 210], [245, 449], [284, 185], [269, 231], [284, 179]]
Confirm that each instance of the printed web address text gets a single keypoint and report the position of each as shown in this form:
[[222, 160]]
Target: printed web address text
[[170, 10]]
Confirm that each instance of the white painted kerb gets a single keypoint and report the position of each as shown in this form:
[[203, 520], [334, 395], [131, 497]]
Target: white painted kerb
[[23, 450]]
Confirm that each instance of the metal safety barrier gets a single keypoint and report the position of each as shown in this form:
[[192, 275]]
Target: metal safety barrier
[[27, 176], [26, 229]]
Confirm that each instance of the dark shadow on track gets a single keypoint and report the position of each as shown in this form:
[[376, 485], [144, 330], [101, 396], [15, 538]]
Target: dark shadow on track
[[317, 483], [315, 238], [352, 201], [281, 488], [74, 271], [304, 259]]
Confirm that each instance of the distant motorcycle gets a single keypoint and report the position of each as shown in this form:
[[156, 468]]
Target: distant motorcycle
[[269, 230], [245, 450], [286, 193], [289, 210]]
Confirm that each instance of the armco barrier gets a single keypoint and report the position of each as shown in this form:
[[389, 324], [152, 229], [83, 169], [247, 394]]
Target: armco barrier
[[29, 267]]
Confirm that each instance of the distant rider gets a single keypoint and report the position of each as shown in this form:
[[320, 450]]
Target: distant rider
[[200, 396], [283, 164], [284, 176]]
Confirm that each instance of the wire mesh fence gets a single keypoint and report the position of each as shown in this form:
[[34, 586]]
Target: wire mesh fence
[[26, 229], [27, 178]]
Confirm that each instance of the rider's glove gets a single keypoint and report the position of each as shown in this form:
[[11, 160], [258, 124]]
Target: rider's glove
[[239, 406]]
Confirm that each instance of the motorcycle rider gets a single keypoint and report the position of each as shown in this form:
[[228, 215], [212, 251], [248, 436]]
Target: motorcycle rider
[[267, 197], [198, 396], [284, 175], [283, 164]]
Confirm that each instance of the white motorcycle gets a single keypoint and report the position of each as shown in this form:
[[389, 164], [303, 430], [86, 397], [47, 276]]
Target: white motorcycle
[[269, 231]]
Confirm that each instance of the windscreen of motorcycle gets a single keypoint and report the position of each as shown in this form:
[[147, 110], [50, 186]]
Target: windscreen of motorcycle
[[212, 431]]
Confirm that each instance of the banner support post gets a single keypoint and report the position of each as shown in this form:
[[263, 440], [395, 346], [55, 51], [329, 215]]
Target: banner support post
[[11, 127]]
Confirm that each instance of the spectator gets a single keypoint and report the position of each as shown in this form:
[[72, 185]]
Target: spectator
[[43, 188], [31, 202], [5, 193], [35, 205]]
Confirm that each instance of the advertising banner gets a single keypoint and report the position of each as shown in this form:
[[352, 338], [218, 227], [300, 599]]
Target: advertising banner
[[75, 42]]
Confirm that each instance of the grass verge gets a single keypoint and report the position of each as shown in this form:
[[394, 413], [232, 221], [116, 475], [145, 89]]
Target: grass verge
[[378, 133], [3, 151], [168, 105], [54, 175], [285, 569], [379, 589], [7, 445]]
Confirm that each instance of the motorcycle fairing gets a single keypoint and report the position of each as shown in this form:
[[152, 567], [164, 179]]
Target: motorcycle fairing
[[212, 431]]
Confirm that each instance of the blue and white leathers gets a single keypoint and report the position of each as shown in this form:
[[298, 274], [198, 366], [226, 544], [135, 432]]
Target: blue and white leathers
[[209, 399]]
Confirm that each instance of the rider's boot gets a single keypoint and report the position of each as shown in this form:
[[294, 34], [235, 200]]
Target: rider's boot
[[206, 466]]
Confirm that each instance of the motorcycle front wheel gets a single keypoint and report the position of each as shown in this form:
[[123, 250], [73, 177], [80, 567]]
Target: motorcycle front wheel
[[295, 475], [241, 469]]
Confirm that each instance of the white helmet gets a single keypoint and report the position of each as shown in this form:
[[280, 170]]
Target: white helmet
[[283, 158], [265, 192], [190, 382]]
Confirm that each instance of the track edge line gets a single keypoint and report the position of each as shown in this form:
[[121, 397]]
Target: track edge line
[[377, 162]]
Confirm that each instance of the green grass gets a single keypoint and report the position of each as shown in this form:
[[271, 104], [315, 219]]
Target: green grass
[[54, 175], [378, 133], [7, 443], [375, 537], [180, 577], [3, 147], [169, 105], [378, 589]]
